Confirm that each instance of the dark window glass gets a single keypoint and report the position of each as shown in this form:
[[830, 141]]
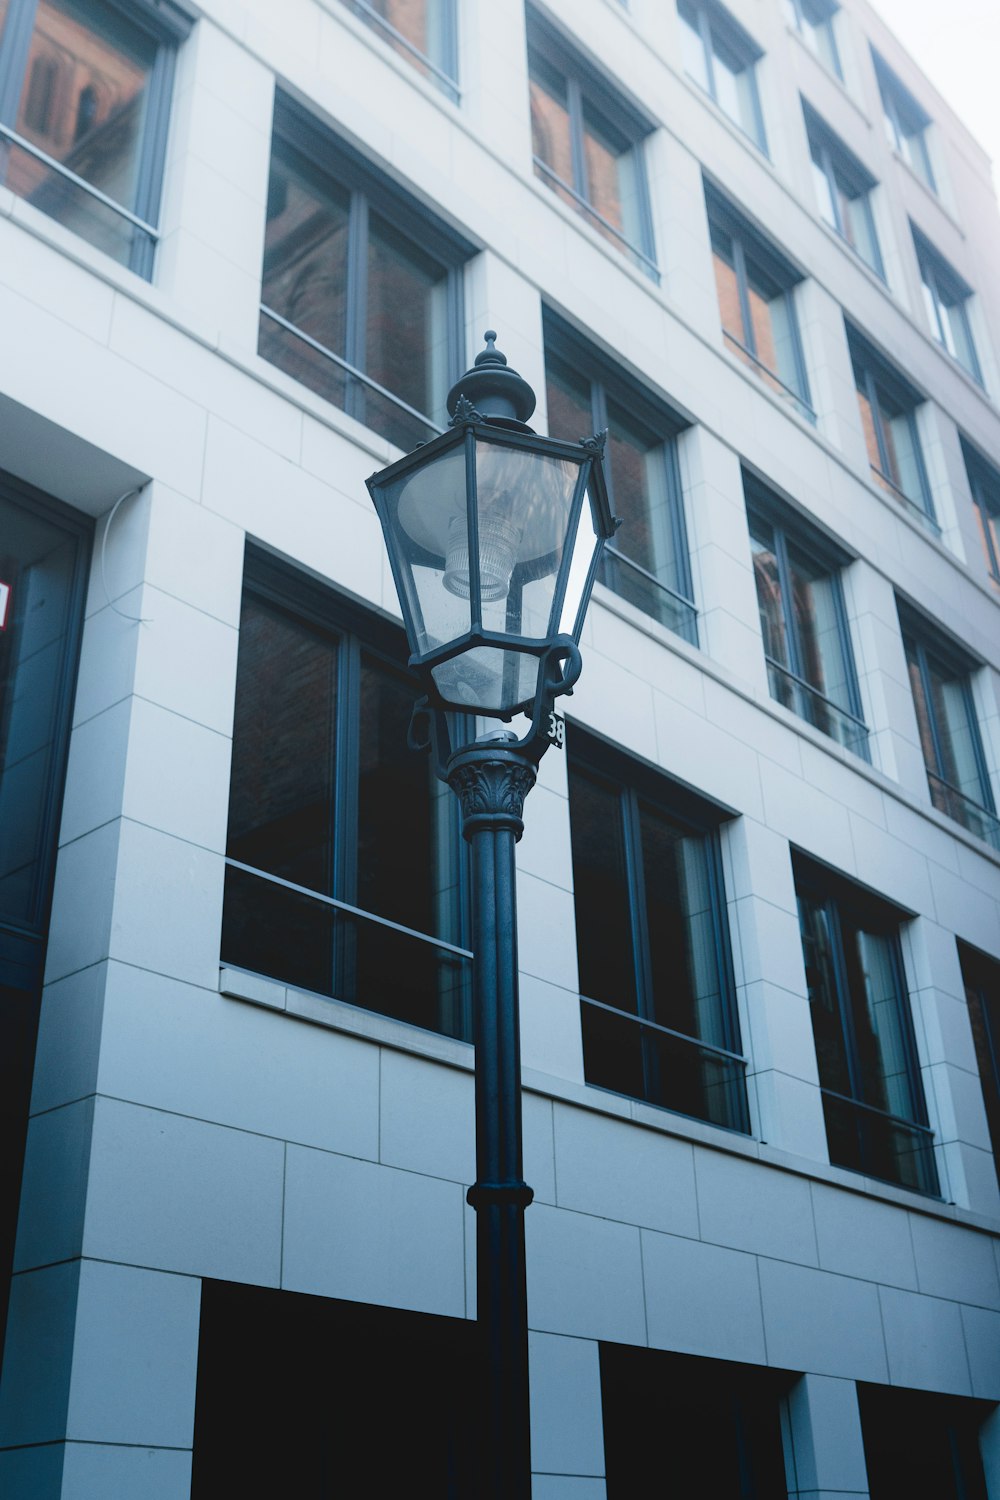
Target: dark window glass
[[888, 408], [360, 299], [843, 190], [277, 1412], [756, 305], [711, 1427], [647, 561], [327, 801], [421, 31], [949, 735], [984, 482], [804, 627], [876, 1121], [659, 1018], [587, 145], [905, 123], [721, 58], [813, 20], [982, 991], [86, 84], [946, 299], [921, 1444]]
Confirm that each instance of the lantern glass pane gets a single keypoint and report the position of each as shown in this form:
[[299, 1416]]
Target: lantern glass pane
[[488, 679], [585, 543], [525, 504], [425, 520]]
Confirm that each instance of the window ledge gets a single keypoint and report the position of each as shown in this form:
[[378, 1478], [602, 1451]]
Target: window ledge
[[271, 994]]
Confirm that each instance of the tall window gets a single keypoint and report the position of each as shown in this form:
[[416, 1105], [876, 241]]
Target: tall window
[[876, 1120], [946, 299], [888, 406], [713, 1428], [657, 996], [906, 123], [813, 20], [361, 296], [344, 873], [755, 286], [803, 623], [721, 58], [647, 562], [422, 31], [84, 104], [982, 991], [984, 481], [587, 144], [949, 735], [843, 190], [922, 1443]]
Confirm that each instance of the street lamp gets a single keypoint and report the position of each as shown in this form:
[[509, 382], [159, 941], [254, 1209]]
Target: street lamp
[[494, 535]]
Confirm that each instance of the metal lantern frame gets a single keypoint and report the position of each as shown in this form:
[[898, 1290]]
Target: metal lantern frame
[[558, 651]]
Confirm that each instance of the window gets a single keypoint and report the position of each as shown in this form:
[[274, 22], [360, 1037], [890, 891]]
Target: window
[[84, 103], [421, 31], [946, 298], [984, 481], [647, 563], [587, 145], [721, 58], [810, 667], [921, 1443], [398, 1399], [657, 994], [876, 1121], [843, 190], [712, 1427], [755, 286], [361, 297], [813, 20], [946, 722], [344, 869], [982, 991], [905, 123], [888, 406]]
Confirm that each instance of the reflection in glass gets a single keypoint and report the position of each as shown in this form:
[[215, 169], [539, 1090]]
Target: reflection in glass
[[83, 102], [421, 31]]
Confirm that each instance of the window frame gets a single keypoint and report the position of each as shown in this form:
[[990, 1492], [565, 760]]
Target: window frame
[[906, 120], [874, 376], [844, 173], [585, 83], [929, 645], [631, 780], [834, 892], [982, 479], [605, 380], [727, 218], [785, 527], [946, 290], [327, 158], [801, 20], [307, 601], [981, 977], [714, 21], [168, 27], [443, 75]]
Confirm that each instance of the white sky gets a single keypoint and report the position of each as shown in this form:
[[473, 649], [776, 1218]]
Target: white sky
[[957, 44]]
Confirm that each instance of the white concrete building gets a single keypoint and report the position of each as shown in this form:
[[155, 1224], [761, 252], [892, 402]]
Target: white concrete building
[[759, 918]]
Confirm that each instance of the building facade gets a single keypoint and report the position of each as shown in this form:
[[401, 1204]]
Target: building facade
[[244, 251]]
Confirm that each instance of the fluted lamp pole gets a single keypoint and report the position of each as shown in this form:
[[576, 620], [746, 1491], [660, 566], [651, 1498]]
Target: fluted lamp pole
[[494, 535]]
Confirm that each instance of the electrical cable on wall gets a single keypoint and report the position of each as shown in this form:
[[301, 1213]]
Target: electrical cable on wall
[[136, 619]]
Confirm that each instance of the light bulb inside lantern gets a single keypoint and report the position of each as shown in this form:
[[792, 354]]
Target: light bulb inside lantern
[[499, 540]]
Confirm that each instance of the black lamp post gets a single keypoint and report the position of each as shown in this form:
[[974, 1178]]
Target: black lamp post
[[494, 535]]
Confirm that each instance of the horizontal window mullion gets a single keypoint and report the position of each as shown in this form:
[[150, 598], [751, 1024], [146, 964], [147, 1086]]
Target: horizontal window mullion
[[645, 573], [349, 369], [679, 1036], [354, 911], [883, 1114], [382, 24], [815, 692], [633, 249], [799, 400], [80, 182]]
